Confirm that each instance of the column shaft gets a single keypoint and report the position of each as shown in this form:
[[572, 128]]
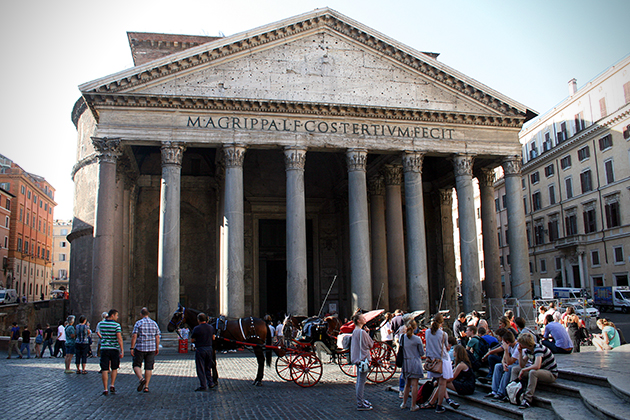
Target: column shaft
[[491, 254], [118, 249], [169, 233], [517, 238], [360, 275], [471, 282], [417, 270], [396, 267], [297, 282], [448, 251], [234, 225], [378, 242]]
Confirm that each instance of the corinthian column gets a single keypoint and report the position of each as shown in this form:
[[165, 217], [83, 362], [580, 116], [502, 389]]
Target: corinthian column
[[517, 237], [489, 228], [360, 278], [471, 282], [396, 270], [448, 251], [297, 285], [416, 237], [168, 233], [108, 151], [380, 286], [234, 225]]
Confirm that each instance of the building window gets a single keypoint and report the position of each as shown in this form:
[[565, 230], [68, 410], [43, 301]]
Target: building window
[[535, 177], [6, 241], [598, 281], [554, 232], [64, 231], [618, 253], [28, 195], [525, 204], [562, 134], [552, 194], [62, 244], [533, 153], [27, 217], [48, 254], [499, 237], [543, 265], [585, 180], [549, 171], [531, 269], [8, 206], [45, 206], [584, 153], [6, 221], [62, 257], [605, 142], [19, 247], [539, 233], [536, 204], [22, 189], [547, 143], [504, 201], [579, 122], [21, 211], [523, 183], [610, 173], [568, 183], [626, 91], [595, 258], [565, 162], [602, 107], [621, 279], [613, 218], [496, 205], [570, 222], [501, 260], [558, 263], [26, 246], [590, 224]]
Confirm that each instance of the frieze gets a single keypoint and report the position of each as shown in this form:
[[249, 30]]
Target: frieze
[[412, 162], [463, 164], [356, 159], [512, 166], [294, 158], [486, 177], [233, 156], [393, 174], [107, 150], [172, 153]]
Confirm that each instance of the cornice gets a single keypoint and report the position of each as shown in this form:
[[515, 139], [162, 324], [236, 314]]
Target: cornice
[[313, 22], [98, 100]]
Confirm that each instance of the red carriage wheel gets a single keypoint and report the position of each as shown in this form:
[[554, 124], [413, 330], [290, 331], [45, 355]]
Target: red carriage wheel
[[348, 368], [381, 367], [306, 370], [283, 366]]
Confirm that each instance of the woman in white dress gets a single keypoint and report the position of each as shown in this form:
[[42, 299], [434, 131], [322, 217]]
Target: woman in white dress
[[437, 348]]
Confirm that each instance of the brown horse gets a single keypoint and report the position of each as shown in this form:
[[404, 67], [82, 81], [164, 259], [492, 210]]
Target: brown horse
[[294, 324], [248, 330]]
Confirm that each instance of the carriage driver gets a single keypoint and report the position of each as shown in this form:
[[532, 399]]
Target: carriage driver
[[203, 335]]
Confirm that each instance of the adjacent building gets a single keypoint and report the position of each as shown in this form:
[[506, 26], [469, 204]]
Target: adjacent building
[[29, 265], [61, 255], [576, 188], [5, 226]]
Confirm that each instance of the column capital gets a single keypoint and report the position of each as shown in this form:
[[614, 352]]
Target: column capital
[[294, 158], [512, 166], [446, 197], [412, 161], [376, 185], [356, 159], [393, 174], [172, 153], [486, 177], [107, 150], [233, 156], [463, 164]]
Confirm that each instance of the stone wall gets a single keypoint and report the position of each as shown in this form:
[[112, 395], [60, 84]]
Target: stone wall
[[32, 313]]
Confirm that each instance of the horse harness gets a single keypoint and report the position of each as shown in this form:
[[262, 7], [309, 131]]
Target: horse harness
[[221, 327]]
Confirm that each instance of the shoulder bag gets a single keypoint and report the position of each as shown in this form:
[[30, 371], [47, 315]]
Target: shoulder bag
[[435, 365]]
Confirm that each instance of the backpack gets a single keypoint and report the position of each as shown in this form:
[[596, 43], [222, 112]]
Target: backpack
[[474, 362], [483, 346], [425, 392], [515, 391]]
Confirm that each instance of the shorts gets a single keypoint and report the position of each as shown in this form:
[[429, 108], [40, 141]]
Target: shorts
[[110, 357], [147, 356], [70, 349]]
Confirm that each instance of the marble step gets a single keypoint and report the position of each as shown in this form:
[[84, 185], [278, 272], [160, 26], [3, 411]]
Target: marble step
[[504, 409]]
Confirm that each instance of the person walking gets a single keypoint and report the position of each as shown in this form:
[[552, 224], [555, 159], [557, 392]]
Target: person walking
[[360, 352], [412, 364], [202, 336], [437, 348], [48, 340], [110, 335], [70, 343], [98, 347], [14, 339], [145, 345], [60, 344], [82, 344], [26, 342], [39, 339]]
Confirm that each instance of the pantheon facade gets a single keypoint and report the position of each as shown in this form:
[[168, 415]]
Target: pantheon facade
[[301, 166]]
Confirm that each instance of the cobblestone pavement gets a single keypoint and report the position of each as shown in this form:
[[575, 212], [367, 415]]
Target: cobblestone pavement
[[38, 388]]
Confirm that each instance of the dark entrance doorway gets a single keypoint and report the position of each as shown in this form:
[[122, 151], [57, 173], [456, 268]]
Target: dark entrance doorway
[[577, 281]]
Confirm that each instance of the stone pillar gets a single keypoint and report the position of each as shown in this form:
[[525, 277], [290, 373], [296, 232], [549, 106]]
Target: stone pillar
[[360, 278], [517, 236], [378, 241], [491, 254], [297, 282], [108, 151], [471, 283], [417, 269], [563, 273], [126, 243], [168, 233], [235, 229], [118, 248], [581, 268], [448, 251], [396, 268]]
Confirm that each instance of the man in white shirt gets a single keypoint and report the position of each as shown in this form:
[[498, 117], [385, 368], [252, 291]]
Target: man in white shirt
[[60, 344]]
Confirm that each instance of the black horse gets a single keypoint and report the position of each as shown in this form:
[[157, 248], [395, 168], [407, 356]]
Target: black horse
[[248, 330]]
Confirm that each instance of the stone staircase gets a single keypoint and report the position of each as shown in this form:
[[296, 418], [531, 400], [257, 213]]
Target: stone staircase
[[574, 396]]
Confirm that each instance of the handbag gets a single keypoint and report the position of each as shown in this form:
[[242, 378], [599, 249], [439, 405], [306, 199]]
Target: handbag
[[434, 365], [400, 356]]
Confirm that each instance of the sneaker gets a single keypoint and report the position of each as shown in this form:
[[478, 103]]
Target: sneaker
[[497, 397], [524, 405], [415, 408], [400, 393], [112, 389], [68, 371], [403, 405], [365, 408], [490, 395], [105, 393], [452, 403], [505, 399], [367, 403], [440, 409]]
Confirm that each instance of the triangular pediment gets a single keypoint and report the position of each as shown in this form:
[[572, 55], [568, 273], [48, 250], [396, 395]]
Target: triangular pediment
[[321, 57]]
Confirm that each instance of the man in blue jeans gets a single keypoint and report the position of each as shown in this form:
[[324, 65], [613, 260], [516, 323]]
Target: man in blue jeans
[[13, 341], [503, 371]]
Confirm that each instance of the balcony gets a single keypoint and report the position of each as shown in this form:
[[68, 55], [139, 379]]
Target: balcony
[[571, 241]]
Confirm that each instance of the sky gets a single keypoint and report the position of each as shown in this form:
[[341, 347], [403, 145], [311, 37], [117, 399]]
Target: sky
[[527, 50]]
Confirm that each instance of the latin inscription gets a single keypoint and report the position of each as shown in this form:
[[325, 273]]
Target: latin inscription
[[319, 126]]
